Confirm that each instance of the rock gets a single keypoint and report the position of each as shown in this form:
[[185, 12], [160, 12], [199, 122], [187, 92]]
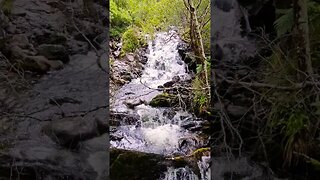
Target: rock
[[11, 29], [188, 124], [191, 61], [98, 162], [96, 144], [55, 65], [130, 57], [164, 100], [54, 52], [124, 118], [20, 40], [68, 132], [135, 163], [169, 113], [38, 64], [103, 125], [90, 29], [168, 84], [51, 38], [77, 47], [58, 101], [132, 103], [183, 48]]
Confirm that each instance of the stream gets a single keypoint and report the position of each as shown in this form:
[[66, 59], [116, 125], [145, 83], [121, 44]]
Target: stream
[[157, 130]]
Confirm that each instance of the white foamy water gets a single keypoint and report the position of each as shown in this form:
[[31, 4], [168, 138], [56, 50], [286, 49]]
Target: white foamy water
[[164, 61], [156, 131], [179, 174]]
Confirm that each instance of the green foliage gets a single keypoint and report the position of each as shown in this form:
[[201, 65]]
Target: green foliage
[[284, 23], [132, 39], [120, 19], [154, 15], [201, 98], [6, 6], [290, 121]]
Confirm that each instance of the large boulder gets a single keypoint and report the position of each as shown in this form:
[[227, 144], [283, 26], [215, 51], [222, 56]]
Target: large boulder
[[164, 100], [68, 132], [54, 52], [126, 164], [40, 64]]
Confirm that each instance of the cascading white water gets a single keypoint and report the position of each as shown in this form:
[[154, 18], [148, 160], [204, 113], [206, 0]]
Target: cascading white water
[[228, 33], [155, 132], [164, 61]]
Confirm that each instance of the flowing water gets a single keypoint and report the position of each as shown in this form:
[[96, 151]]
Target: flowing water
[[230, 35], [158, 130]]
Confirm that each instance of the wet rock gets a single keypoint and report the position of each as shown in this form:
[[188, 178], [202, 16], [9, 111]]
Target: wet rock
[[124, 118], [40, 64], [168, 84], [77, 47], [188, 124], [176, 79], [169, 113], [58, 101], [51, 38], [98, 161], [102, 125], [89, 29], [69, 132], [191, 62], [54, 52], [20, 40], [135, 164], [132, 103], [96, 144], [164, 100], [183, 48]]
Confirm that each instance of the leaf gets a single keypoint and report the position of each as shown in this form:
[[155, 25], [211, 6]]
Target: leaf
[[284, 23]]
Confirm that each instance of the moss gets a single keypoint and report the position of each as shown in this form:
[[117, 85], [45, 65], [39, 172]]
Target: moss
[[6, 6], [136, 165], [164, 100], [132, 40]]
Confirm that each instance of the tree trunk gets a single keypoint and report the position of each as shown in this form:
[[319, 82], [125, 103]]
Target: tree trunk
[[196, 38], [301, 36]]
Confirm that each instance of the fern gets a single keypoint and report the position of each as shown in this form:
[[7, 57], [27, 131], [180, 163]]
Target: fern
[[284, 23]]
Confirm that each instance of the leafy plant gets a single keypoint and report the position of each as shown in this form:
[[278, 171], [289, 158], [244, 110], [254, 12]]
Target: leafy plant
[[132, 39]]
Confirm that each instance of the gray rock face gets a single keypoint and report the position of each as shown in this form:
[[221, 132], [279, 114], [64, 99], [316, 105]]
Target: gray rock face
[[39, 37], [54, 52], [70, 131]]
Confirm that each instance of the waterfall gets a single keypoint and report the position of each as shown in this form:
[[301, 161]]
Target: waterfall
[[156, 131]]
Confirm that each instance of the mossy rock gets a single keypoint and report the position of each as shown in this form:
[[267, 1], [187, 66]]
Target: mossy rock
[[164, 100], [135, 165]]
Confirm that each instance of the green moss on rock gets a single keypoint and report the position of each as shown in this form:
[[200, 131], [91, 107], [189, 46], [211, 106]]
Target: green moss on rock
[[164, 100], [135, 165]]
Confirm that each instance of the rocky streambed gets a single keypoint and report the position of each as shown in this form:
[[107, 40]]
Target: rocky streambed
[[54, 99], [149, 121]]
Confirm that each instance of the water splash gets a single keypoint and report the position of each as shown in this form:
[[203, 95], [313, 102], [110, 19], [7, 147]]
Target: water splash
[[156, 131], [179, 174], [164, 61]]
